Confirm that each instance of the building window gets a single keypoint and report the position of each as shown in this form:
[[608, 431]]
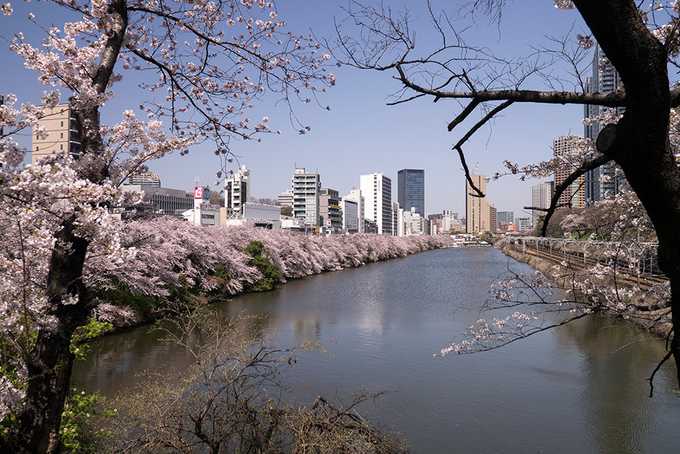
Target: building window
[[62, 124]]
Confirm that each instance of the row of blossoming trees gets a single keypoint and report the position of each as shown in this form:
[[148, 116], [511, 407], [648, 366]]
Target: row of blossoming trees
[[172, 255]]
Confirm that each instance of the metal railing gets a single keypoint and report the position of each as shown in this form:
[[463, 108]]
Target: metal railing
[[644, 269]]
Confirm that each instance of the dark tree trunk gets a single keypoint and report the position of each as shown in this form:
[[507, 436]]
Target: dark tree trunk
[[50, 362], [640, 146]]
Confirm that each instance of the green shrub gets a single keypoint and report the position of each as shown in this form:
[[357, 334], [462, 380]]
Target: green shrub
[[271, 275], [84, 334], [78, 431]]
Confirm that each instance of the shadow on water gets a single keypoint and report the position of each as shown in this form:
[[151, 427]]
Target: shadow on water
[[580, 388], [618, 358]]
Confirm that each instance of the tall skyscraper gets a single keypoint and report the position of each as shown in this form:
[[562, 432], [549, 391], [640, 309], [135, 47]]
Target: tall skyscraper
[[306, 189], [330, 212], [606, 180], [477, 212], [236, 191], [575, 195], [541, 196], [411, 190], [377, 191]]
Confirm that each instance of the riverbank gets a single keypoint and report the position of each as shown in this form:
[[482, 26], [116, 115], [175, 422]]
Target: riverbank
[[646, 307], [377, 327], [173, 263]]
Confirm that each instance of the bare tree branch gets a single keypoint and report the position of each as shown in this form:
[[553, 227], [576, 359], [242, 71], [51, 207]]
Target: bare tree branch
[[560, 188]]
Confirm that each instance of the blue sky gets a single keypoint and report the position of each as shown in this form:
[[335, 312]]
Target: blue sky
[[360, 134]]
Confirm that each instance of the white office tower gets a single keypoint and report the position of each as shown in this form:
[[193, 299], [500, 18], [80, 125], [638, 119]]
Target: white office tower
[[377, 191], [306, 188], [236, 190], [350, 202]]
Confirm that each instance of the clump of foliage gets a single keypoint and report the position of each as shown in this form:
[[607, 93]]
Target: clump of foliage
[[271, 275], [80, 432], [94, 328]]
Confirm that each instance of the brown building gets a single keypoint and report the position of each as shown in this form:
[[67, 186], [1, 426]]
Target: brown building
[[57, 132], [330, 211], [565, 149], [477, 210]]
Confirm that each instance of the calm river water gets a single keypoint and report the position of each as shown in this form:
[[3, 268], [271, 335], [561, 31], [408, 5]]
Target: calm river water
[[578, 389]]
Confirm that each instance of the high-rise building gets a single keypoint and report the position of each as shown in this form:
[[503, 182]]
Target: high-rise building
[[411, 190], [236, 191], [493, 222], [377, 191], [575, 195], [541, 196], [356, 197], [477, 212], [57, 132], [330, 212], [608, 179], [306, 188], [350, 216]]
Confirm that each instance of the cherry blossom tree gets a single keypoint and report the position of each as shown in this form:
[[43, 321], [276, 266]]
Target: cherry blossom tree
[[640, 39], [202, 65], [171, 254]]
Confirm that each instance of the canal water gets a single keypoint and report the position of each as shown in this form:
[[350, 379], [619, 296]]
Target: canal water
[[578, 389]]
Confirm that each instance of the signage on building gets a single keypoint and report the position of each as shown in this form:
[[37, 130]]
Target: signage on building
[[198, 192]]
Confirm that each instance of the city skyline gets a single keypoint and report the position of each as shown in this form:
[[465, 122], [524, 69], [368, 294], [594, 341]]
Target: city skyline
[[411, 136]]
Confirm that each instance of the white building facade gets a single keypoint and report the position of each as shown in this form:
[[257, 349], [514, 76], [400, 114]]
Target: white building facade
[[377, 192], [411, 223], [306, 187], [236, 190]]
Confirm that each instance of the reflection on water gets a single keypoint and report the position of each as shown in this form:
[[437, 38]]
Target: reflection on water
[[580, 388]]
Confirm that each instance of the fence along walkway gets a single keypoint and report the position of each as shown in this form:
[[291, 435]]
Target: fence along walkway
[[641, 270]]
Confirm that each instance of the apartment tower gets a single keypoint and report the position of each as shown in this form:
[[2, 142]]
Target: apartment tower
[[377, 191], [477, 210]]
